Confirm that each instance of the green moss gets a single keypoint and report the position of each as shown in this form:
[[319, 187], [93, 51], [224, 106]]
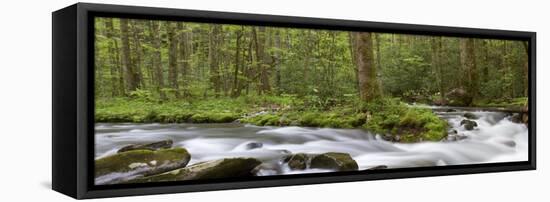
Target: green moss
[[407, 124], [507, 103]]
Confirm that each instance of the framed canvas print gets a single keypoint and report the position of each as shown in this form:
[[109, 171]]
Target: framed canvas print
[[156, 100]]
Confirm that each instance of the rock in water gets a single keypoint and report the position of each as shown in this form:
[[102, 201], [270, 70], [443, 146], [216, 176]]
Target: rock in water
[[297, 161], [470, 115], [140, 163], [165, 144], [222, 168], [468, 124], [254, 145], [334, 161], [380, 167]]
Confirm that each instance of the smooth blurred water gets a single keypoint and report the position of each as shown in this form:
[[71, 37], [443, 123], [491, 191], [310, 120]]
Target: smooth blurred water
[[497, 139]]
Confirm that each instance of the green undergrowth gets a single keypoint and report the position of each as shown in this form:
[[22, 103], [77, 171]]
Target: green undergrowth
[[384, 116], [506, 103]]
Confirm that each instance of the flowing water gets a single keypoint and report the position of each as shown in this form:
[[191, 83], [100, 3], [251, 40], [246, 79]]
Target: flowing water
[[496, 139]]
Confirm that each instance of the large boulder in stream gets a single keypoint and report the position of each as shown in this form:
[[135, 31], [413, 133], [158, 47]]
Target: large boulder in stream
[[222, 168], [165, 144], [459, 97], [470, 115], [468, 124], [297, 161], [334, 161], [137, 163]]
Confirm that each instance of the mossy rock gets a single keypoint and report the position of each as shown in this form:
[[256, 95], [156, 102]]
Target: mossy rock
[[297, 161], [142, 162], [223, 168], [470, 115], [334, 161], [164, 144], [468, 124]]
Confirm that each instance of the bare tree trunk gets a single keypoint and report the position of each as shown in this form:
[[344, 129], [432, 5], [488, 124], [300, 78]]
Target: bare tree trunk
[[136, 35], [156, 58], [369, 88], [236, 92], [436, 64], [213, 53], [469, 67], [172, 58], [126, 59], [112, 50]]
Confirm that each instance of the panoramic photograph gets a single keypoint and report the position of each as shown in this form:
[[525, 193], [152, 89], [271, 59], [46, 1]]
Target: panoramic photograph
[[188, 101]]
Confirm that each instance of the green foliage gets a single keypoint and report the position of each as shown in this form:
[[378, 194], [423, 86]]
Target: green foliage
[[391, 117]]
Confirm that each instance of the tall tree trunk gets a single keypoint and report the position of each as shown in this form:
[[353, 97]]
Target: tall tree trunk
[[126, 57], [469, 67], [369, 88], [485, 71], [213, 54], [136, 36], [277, 62], [112, 50], [436, 64], [236, 92], [354, 57], [172, 58], [157, 58]]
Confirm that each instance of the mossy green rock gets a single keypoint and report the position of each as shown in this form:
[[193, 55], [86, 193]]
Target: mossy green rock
[[164, 144], [334, 161], [143, 162], [470, 115], [468, 124], [223, 168], [297, 161]]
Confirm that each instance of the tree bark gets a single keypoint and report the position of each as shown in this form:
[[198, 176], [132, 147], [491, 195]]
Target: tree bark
[[127, 65], [172, 58], [157, 59], [213, 54], [469, 66], [369, 88]]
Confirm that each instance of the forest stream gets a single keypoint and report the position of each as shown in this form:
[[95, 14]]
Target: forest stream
[[495, 139]]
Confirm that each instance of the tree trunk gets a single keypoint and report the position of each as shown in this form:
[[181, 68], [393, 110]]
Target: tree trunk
[[213, 53], [436, 64], [469, 67], [369, 88], [236, 92], [112, 50], [157, 59], [127, 65], [136, 35], [172, 58]]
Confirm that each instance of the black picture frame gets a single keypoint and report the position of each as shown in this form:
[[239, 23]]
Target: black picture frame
[[73, 100]]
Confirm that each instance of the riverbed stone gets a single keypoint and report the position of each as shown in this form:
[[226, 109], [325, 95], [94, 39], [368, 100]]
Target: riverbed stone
[[335, 161], [297, 161], [142, 162], [164, 144], [470, 115], [222, 168], [253, 145], [379, 167], [468, 124]]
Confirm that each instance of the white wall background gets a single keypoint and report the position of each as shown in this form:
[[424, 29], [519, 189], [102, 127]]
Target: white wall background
[[25, 99]]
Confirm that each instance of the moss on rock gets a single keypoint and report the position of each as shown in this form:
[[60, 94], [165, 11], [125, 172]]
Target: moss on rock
[[223, 168], [334, 161], [145, 160]]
